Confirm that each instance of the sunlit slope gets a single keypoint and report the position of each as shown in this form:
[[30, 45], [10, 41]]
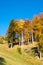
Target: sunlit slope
[[12, 57]]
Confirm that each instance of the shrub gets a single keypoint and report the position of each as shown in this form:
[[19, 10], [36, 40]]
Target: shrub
[[19, 50], [35, 51]]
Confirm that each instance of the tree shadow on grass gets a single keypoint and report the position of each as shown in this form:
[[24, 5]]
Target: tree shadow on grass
[[2, 61]]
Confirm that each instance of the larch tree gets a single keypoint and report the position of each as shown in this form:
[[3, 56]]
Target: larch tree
[[36, 28], [27, 28], [21, 24]]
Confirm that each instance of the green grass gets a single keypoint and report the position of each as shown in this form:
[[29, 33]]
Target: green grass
[[12, 57]]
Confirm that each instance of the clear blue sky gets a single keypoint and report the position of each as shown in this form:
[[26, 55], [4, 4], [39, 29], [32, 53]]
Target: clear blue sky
[[17, 9]]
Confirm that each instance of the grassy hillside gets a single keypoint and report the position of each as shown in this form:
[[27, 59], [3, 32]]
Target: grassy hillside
[[12, 57]]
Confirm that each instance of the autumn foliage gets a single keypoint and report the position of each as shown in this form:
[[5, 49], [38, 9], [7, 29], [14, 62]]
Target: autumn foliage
[[26, 30]]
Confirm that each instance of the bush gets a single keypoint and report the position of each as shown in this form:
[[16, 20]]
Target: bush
[[35, 51], [19, 50], [1, 41]]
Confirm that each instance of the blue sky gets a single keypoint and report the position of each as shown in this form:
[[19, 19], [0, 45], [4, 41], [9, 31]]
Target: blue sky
[[18, 9]]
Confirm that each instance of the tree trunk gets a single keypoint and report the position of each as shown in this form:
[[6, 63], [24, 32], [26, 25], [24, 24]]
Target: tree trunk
[[32, 39], [19, 40], [11, 45], [22, 38], [35, 38], [28, 41], [40, 54]]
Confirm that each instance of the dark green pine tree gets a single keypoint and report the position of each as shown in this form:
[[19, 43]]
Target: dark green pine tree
[[11, 33]]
